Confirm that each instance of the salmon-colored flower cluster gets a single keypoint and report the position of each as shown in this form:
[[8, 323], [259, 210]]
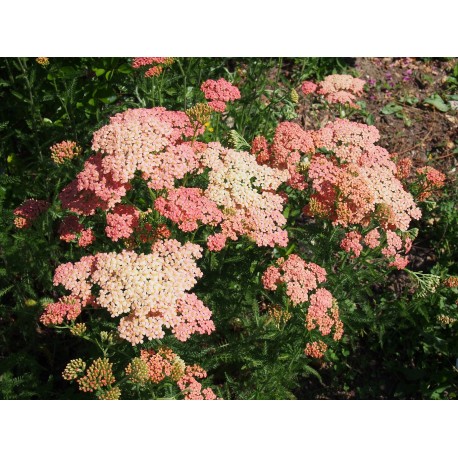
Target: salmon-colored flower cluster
[[323, 313], [315, 349], [149, 287], [66, 308], [451, 282], [393, 245], [64, 151], [156, 64], [187, 206], [299, 277], [121, 222], [357, 181], [245, 191], [159, 365], [92, 189], [28, 212], [192, 388], [431, 181], [301, 280], [289, 145], [403, 167], [219, 92], [308, 87], [156, 366], [71, 229], [337, 89], [372, 238], [148, 141], [351, 243]]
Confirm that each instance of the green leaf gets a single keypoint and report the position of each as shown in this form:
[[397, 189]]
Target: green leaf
[[68, 72], [99, 71], [390, 109], [18, 95], [125, 68], [437, 102]]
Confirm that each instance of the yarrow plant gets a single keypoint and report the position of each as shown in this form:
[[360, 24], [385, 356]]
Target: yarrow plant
[[177, 242], [342, 89], [154, 65], [28, 212], [219, 92]]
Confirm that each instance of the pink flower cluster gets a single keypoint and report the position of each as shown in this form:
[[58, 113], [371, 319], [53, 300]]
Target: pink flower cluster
[[63, 151], [403, 167], [323, 313], [302, 280], [337, 89], [192, 388], [160, 364], [187, 206], [166, 363], [299, 277], [219, 92], [316, 349], [149, 141], [432, 180], [150, 288], [308, 87], [351, 243], [28, 212], [246, 193], [121, 222], [155, 64], [290, 143], [357, 181], [394, 246], [392, 249], [66, 308], [92, 189], [71, 229]]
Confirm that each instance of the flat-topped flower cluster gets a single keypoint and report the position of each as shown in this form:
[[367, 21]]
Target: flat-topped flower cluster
[[149, 288]]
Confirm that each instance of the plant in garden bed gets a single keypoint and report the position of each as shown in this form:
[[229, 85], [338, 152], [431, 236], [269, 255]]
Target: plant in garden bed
[[178, 257]]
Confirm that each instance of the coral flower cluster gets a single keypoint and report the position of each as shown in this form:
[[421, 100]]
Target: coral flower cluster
[[150, 288], [219, 92], [28, 212], [64, 151], [431, 181], [156, 64], [122, 221], [187, 206], [357, 182], [289, 145], [156, 366], [301, 280], [337, 89], [149, 142], [71, 229], [393, 245], [299, 277]]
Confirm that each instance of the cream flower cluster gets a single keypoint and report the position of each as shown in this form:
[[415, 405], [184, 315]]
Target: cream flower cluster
[[150, 288], [245, 191]]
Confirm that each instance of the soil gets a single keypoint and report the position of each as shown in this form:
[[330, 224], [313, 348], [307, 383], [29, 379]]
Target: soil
[[420, 131]]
